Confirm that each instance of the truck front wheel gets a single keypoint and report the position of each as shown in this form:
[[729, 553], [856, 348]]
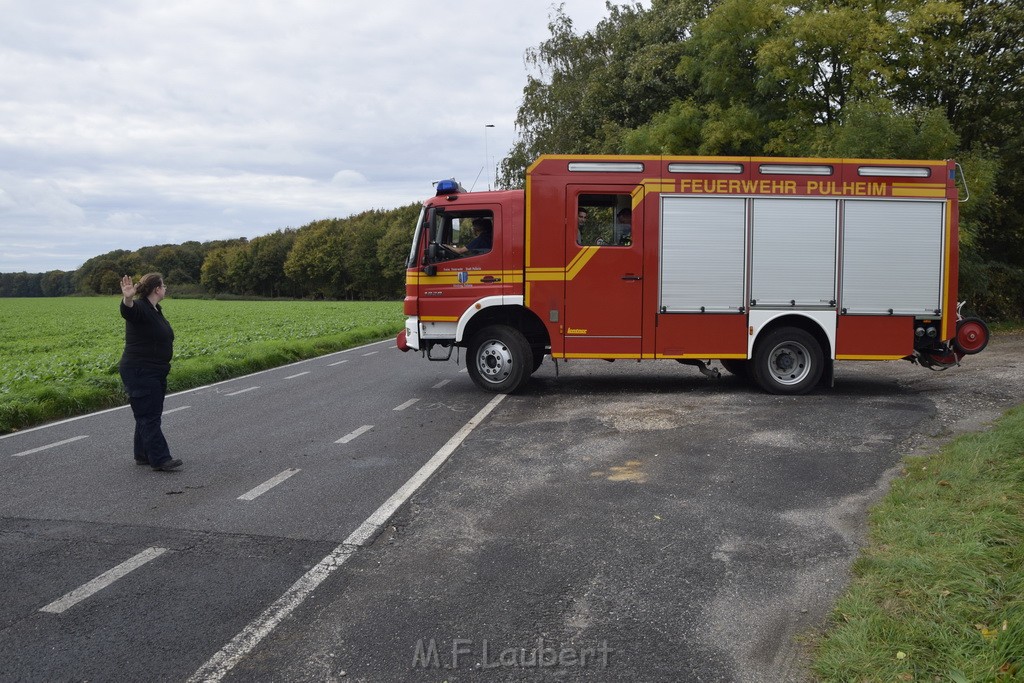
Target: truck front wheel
[[788, 361], [499, 359]]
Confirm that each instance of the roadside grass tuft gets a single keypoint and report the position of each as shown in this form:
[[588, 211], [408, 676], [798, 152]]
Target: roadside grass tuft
[[938, 594]]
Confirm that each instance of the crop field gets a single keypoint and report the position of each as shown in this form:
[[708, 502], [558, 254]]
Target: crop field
[[58, 357]]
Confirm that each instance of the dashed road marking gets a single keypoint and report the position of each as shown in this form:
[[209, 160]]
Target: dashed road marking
[[331, 365], [52, 445], [174, 410], [297, 375], [269, 484], [405, 405], [371, 353], [241, 391], [102, 581], [351, 435], [441, 384]]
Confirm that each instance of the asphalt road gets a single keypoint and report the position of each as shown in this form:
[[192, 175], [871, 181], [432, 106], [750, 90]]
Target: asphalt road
[[74, 506], [621, 522]]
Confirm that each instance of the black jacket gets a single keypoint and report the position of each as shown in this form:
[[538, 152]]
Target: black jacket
[[148, 337]]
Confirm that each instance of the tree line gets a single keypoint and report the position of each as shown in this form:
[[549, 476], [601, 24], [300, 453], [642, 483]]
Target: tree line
[[360, 258], [888, 79]]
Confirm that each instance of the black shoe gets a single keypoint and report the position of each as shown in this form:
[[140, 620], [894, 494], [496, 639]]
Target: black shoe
[[168, 465], [142, 461]]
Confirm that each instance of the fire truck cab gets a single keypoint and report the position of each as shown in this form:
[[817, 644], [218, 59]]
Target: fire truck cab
[[775, 267]]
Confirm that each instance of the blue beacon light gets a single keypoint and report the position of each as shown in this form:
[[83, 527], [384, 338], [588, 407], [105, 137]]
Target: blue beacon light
[[450, 186]]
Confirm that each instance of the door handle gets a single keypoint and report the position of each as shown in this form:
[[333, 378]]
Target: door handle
[[630, 276], [490, 278]]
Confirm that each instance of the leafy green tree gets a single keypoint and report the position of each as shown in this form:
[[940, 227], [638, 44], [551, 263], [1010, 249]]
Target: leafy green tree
[[393, 247], [20, 284], [588, 90], [102, 274], [266, 267], [315, 261], [214, 272], [239, 270], [57, 283]]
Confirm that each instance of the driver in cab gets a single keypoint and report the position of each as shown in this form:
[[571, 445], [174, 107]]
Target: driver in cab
[[481, 243]]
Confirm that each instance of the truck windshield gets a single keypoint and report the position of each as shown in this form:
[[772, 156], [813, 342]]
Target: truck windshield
[[417, 232]]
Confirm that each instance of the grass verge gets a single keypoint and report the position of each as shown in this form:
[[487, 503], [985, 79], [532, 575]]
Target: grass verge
[[938, 594]]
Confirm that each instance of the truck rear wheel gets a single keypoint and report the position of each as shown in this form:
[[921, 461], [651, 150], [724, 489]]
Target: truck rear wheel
[[788, 361], [499, 359]]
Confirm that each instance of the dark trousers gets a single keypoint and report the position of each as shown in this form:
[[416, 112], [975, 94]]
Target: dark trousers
[[146, 388]]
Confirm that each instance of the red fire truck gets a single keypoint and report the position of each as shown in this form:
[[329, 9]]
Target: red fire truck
[[775, 267]]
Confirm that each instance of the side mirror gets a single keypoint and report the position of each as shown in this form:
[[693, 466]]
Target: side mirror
[[430, 270], [432, 252]]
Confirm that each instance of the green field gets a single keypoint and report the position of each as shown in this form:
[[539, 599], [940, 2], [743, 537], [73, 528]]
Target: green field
[[58, 357]]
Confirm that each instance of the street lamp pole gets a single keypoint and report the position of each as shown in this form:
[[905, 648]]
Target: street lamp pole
[[487, 161]]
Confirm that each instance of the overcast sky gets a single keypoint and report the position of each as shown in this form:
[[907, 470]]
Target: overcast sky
[[127, 123]]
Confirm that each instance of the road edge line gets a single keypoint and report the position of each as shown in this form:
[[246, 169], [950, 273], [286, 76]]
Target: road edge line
[[369, 529], [221, 663]]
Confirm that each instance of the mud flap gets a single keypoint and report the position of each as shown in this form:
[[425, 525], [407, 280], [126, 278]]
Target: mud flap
[[828, 378]]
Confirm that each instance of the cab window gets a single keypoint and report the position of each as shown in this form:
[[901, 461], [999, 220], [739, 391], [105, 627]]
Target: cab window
[[462, 234], [604, 220]]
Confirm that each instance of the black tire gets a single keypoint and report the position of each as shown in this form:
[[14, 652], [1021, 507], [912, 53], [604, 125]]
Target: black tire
[[788, 361], [499, 359], [735, 366]]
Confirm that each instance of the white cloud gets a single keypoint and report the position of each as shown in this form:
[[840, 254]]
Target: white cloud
[[348, 177], [142, 123]]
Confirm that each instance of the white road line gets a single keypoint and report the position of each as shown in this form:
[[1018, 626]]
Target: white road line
[[52, 445], [369, 529], [351, 435], [103, 580], [298, 375], [268, 484], [174, 410], [218, 666], [221, 663], [408, 403], [389, 340], [331, 365], [441, 384], [242, 391], [371, 353]]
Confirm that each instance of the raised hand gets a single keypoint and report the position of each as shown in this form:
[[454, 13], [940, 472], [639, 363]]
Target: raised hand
[[127, 289]]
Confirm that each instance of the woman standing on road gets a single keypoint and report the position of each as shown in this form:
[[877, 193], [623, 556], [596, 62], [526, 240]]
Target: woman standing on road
[[144, 366]]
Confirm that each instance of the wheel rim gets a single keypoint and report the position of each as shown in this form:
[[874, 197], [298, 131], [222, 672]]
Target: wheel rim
[[494, 361], [789, 363], [971, 337]]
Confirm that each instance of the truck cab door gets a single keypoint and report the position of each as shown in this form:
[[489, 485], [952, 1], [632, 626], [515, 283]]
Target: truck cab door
[[604, 277], [453, 281]]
